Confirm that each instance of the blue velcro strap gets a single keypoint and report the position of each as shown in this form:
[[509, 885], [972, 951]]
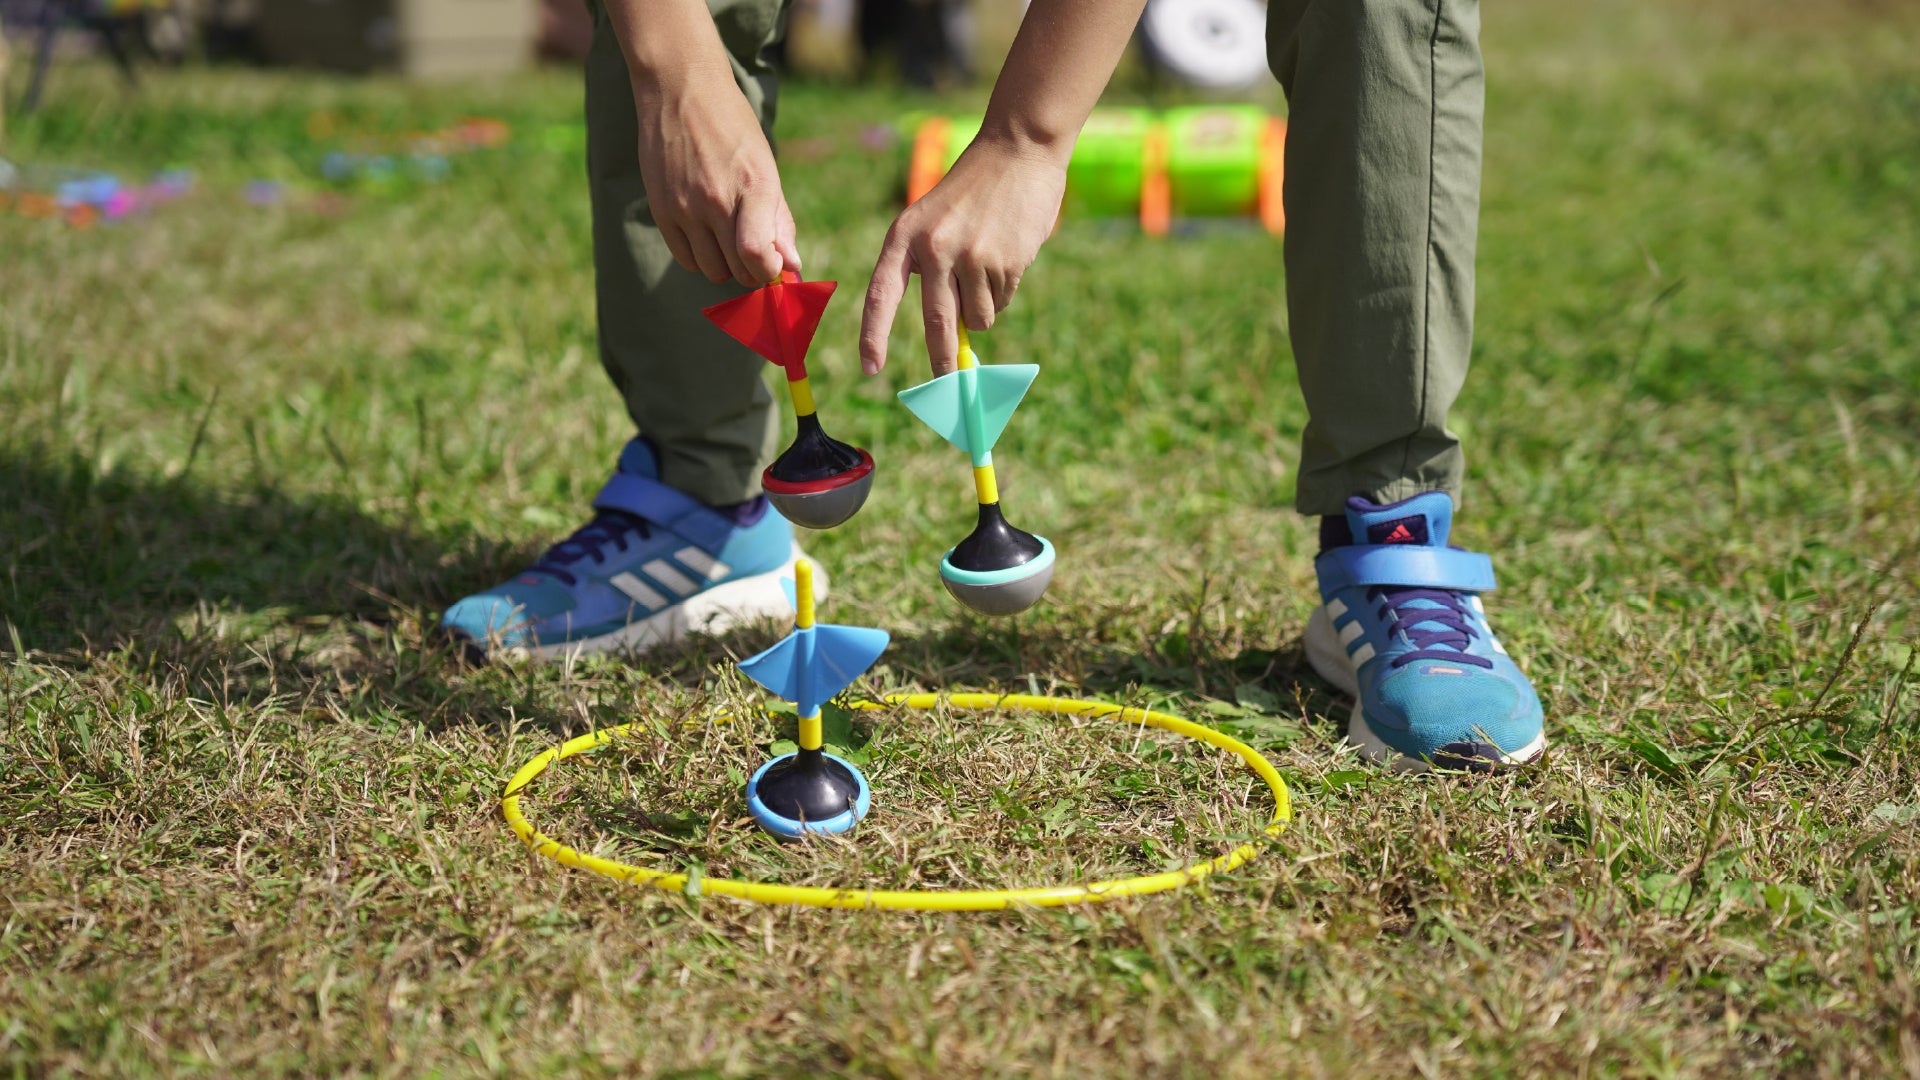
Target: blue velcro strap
[[674, 511], [1406, 566]]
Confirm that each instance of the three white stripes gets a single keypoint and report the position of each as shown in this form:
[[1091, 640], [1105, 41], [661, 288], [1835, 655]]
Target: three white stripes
[[670, 576], [638, 591]]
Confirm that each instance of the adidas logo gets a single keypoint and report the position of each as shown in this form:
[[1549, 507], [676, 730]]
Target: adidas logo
[[1407, 530]]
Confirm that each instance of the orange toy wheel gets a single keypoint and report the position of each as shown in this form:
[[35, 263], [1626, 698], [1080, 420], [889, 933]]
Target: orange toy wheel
[[1156, 191], [1273, 173], [928, 162]]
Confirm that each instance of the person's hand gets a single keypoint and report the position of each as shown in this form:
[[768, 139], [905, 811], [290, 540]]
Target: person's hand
[[711, 181], [970, 239]]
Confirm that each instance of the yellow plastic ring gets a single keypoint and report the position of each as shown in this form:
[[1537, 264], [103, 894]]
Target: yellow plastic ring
[[919, 899]]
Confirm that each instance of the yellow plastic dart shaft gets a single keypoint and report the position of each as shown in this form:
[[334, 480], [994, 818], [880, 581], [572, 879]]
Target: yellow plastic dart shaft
[[986, 487], [801, 390], [802, 593], [810, 737]]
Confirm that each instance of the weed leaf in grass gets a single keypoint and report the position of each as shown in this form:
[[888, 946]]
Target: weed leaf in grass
[[1895, 813], [838, 736], [1342, 779], [1258, 698], [1658, 756]]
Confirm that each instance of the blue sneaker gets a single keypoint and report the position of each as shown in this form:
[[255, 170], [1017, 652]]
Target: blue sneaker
[[652, 566], [1401, 629]]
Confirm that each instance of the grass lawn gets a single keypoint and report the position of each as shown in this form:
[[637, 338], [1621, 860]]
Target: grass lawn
[[248, 454]]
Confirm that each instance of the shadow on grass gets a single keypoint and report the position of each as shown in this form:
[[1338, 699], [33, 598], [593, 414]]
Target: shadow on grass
[[240, 597], [92, 562], [1079, 655], [1106, 652]]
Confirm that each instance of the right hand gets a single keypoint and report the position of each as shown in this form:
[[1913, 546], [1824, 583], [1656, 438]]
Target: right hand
[[970, 239], [712, 183]]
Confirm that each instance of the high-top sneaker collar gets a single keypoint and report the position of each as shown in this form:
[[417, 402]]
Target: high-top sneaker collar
[[638, 458], [1423, 519]]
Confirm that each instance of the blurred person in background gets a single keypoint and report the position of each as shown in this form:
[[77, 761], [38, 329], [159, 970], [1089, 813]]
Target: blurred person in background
[[1382, 203], [928, 39]]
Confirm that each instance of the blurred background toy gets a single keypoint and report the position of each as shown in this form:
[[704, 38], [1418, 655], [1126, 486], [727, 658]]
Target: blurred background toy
[[1197, 162], [381, 161], [85, 197]]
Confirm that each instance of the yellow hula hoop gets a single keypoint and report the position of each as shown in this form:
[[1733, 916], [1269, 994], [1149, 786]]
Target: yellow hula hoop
[[919, 899]]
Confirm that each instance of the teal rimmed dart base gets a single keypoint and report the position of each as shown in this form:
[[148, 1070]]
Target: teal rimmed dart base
[[1006, 591]]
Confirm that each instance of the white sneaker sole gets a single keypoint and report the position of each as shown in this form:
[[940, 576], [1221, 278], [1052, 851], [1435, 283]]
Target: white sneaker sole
[[1330, 661], [711, 611]]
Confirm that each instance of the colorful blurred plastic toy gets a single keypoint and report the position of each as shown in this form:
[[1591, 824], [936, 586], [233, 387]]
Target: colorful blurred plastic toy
[[85, 197], [818, 481], [1212, 161], [810, 790], [997, 569], [385, 161]]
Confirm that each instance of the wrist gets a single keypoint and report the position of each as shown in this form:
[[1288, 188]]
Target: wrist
[[1026, 140], [657, 81], [670, 46]]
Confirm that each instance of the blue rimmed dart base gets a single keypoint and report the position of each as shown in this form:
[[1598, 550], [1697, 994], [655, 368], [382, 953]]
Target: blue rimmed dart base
[[792, 829]]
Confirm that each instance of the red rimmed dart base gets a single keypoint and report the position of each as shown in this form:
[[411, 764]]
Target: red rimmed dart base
[[819, 481], [823, 503]]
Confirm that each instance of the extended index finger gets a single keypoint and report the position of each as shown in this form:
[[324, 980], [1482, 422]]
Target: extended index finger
[[940, 308], [884, 292]]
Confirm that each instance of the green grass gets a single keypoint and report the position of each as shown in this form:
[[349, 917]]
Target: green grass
[[247, 455]]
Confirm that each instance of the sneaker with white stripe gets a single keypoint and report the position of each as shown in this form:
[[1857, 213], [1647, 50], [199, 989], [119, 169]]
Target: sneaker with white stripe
[[1401, 629], [652, 566]]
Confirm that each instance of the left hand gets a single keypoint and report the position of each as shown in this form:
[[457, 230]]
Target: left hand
[[711, 180], [970, 239]]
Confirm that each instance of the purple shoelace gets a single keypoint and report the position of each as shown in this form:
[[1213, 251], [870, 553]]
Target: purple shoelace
[[610, 527], [1437, 633]]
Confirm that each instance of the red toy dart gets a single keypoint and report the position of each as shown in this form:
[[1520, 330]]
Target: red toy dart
[[818, 481]]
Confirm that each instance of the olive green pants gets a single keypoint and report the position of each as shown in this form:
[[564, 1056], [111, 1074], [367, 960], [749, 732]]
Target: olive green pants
[[698, 395], [1382, 198]]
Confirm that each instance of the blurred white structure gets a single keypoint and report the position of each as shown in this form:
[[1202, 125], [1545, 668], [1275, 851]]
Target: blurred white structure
[[424, 38], [1217, 44]]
